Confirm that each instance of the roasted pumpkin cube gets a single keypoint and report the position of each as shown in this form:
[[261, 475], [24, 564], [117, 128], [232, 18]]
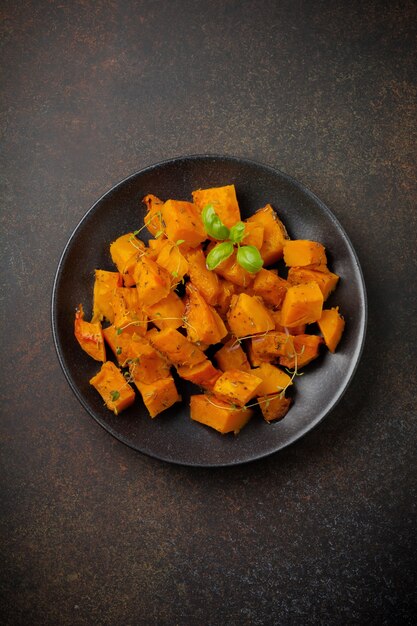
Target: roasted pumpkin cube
[[104, 285], [237, 387], [222, 416], [125, 252], [254, 234], [146, 364], [177, 348], [248, 316], [274, 380], [271, 346], [128, 315], [153, 218], [203, 323], [203, 374], [116, 392], [159, 395], [118, 340], [183, 221], [306, 348], [331, 325], [170, 258], [302, 304], [224, 298], [295, 330], [231, 356], [275, 234], [299, 252], [153, 282], [271, 287], [224, 202], [233, 272], [89, 335], [155, 246], [274, 407], [320, 274], [168, 312], [206, 281]]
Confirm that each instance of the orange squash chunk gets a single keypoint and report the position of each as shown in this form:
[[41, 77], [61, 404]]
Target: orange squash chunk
[[89, 335], [159, 395], [128, 315], [227, 290], [224, 202], [248, 316], [153, 218], [271, 287], [206, 281], [295, 330], [271, 347], [146, 364], [331, 325], [118, 340], [299, 252], [274, 407], [177, 348], [183, 221], [274, 380], [153, 282], [302, 304], [171, 259], [254, 234], [110, 383], [104, 284], [275, 234], [307, 349], [203, 374], [168, 312], [232, 357], [204, 325], [125, 252], [221, 416], [237, 387], [233, 272], [325, 279]]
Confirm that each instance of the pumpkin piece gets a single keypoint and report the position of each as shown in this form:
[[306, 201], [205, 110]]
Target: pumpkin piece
[[299, 252], [254, 234], [320, 274], [331, 325], [118, 340], [232, 357], [104, 285], [233, 272], [204, 324], [159, 395], [146, 364], [127, 312], [153, 282], [248, 316], [110, 383], [254, 359], [302, 304], [89, 335], [203, 374], [155, 246], [274, 407], [295, 330], [275, 234], [176, 348], [224, 298], [271, 287], [183, 221], [237, 387], [206, 281], [168, 312], [274, 380], [271, 346], [153, 218], [221, 416], [306, 348], [170, 258], [224, 202], [125, 252]]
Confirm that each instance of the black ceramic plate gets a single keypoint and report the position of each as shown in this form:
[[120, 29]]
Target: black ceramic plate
[[173, 436]]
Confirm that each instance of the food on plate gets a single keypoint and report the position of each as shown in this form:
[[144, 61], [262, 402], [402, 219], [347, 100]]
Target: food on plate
[[233, 307]]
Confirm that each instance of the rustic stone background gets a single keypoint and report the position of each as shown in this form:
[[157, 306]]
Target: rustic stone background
[[94, 533]]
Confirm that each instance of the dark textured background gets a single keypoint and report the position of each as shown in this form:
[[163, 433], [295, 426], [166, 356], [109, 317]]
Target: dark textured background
[[94, 533]]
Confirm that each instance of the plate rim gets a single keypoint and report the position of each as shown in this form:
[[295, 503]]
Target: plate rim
[[301, 187]]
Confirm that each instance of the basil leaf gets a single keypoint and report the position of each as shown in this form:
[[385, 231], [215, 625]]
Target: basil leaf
[[213, 224], [219, 253], [249, 258], [237, 232]]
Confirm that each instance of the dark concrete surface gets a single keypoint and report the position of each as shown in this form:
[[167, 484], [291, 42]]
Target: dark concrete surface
[[94, 533]]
